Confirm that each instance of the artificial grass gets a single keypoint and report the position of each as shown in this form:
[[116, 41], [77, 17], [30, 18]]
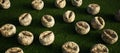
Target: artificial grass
[[63, 31]]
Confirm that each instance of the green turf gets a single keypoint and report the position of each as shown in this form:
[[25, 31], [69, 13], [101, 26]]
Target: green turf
[[63, 31]]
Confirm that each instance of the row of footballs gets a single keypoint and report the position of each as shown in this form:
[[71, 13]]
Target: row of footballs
[[68, 47], [39, 4]]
